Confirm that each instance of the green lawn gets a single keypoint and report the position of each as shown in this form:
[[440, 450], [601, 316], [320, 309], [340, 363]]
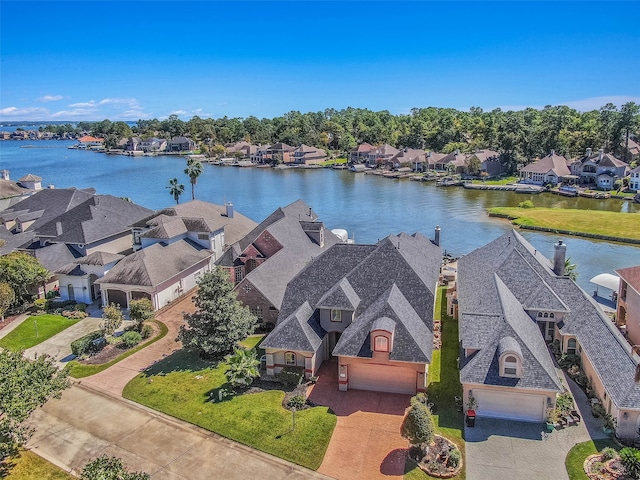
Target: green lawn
[[577, 455], [80, 370], [35, 330], [335, 161], [444, 386], [29, 466], [500, 181], [615, 224], [181, 384]]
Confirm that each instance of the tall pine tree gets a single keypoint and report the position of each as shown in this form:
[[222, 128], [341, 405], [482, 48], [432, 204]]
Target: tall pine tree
[[220, 320]]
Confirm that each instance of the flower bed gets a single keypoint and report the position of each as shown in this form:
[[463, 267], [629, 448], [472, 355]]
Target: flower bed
[[598, 468], [439, 458]]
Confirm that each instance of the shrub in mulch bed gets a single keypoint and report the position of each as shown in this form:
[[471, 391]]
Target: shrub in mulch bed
[[597, 467], [442, 458]]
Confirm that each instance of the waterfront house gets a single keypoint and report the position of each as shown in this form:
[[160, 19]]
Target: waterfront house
[[181, 144], [628, 306], [31, 181], [153, 144], [133, 144], [306, 155], [453, 162], [634, 179], [407, 157], [488, 161], [77, 279], [367, 308], [11, 192], [601, 169], [551, 169], [360, 153], [241, 149], [87, 141], [267, 258], [378, 156], [432, 159], [260, 155], [278, 152], [511, 303]]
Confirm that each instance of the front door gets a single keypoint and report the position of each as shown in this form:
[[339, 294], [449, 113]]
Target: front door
[[333, 340]]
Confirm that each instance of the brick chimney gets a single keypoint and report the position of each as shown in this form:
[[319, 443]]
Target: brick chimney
[[559, 258]]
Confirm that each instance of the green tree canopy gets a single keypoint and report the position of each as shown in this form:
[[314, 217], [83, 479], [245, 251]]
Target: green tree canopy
[[24, 386], [141, 310], [220, 321], [243, 367], [417, 426], [7, 297], [22, 272]]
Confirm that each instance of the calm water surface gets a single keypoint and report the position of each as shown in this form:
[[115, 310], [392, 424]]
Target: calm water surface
[[367, 206]]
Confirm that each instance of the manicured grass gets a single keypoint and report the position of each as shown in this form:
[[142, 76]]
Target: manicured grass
[[252, 341], [578, 454], [501, 181], [614, 224], [335, 161], [181, 385], [29, 466], [444, 386], [80, 370], [26, 335]]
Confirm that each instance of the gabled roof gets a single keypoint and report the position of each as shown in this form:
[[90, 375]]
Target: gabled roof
[[395, 279], [551, 163], [30, 177], [363, 147], [54, 256], [493, 279], [156, 264], [99, 259]]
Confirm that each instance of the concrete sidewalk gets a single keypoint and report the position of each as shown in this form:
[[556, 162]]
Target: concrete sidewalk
[[86, 423]]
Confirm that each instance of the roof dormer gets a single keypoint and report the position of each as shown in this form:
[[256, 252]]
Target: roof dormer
[[510, 358], [382, 333]]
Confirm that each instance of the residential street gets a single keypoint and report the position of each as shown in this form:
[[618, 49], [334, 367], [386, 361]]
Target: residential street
[[86, 423]]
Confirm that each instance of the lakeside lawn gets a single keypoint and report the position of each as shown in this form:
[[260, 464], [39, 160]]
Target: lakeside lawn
[[29, 466], [181, 384], [35, 330], [335, 161], [81, 370], [500, 181], [443, 386], [579, 453], [613, 224]]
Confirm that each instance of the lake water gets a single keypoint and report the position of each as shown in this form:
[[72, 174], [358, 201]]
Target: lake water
[[367, 206]]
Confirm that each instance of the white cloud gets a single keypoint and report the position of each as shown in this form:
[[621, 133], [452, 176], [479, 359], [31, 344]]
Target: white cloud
[[133, 114], [119, 101], [90, 103], [71, 114], [178, 112], [50, 98], [15, 111]]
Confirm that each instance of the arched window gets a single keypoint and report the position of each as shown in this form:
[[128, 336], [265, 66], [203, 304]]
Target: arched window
[[290, 358], [381, 344], [539, 314], [546, 315], [571, 346], [551, 315], [510, 366]]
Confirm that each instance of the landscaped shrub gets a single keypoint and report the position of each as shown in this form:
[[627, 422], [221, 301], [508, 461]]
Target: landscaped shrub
[[40, 303], [297, 402], [630, 459], [526, 204], [146, 331], [597, 410], [75, 314], [85, 345], [420, 398], [608, 453], [417, 426], [130, 339], [291, 376], [59, 304], [112, 318], [454, 458], [566, 361], [140, 310], [564, 402], [81, 307]]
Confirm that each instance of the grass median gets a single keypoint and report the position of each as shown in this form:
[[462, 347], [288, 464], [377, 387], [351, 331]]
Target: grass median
[[181, 385], [591, 222]]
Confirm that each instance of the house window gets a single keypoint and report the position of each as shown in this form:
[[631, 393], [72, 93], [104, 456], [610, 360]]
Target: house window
[[336, 315], [511, 366], [550, 330], [203, 236], [571, 346], [381, 344], [290, 358], [551, 315], [257, 312], [539, 314], [238, 272]]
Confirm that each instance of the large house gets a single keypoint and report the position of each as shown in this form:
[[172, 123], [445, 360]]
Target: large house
[[269, 256], [369, 307], [181, 144], [361, 153], [149, 145], [453, 162], [306, 155], [634, 179], [378, 156], [511, 303], [601, 169], [174, 247], [551, 169]]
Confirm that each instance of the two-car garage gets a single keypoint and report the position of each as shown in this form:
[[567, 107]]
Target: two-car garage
[[383, 378], [510, 405]]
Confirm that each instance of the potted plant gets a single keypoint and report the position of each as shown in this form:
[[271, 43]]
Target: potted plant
[[553, 419]]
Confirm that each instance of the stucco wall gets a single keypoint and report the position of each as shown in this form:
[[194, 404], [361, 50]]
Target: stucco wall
[[633, 316], [115, 244], [329, 326]]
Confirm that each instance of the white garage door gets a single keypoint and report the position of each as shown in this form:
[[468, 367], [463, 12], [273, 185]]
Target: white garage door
[[511, 406], [382, 378]]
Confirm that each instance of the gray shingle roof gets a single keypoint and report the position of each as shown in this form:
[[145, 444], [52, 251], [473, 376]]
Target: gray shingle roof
[[511, 260], [342, 296], [54, 256], [156, 264], [395, 279]]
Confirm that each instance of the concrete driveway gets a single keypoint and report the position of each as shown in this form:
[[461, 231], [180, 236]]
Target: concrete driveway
[[366, 443], [86, 423], [504, 450], [59, 346]]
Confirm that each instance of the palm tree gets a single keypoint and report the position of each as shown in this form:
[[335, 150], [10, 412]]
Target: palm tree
[[243, 367], [194, 170], [570, 269], [175, 189]]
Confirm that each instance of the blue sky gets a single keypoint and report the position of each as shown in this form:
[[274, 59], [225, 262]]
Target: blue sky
[[123, 60]]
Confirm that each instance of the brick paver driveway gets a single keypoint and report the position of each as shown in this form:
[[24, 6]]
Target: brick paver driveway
[[114, 379], [366, 443]]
